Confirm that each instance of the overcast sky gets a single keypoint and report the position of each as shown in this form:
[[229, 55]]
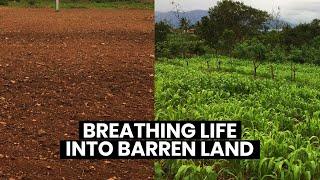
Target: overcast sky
[[291, 10]]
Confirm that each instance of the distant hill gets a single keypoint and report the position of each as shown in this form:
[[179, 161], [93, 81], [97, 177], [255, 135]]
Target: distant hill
[[196, 15]]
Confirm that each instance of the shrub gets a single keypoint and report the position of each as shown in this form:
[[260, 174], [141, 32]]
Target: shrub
[[252, 49], [162, 30], [276, 54], [181, 45], [3, 2], [32, 2]]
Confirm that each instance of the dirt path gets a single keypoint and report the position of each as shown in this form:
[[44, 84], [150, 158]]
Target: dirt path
[[59, 68]]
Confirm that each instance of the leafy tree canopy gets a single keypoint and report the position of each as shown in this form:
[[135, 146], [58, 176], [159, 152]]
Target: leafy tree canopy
[[243, 20], [162, 29]]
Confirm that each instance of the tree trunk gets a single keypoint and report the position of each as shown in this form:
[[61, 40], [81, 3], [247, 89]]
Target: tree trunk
[[272, 71], [254, 69], [219, 65], [293, 71]]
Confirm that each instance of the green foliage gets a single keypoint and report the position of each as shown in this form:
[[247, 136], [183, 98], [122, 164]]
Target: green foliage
[[283, 115], [162, 30], [312, 51], [272, 38], [181, 45], [226, 42], [256, 50], [184, 24], [192, 172], [189, 170], [316, 42], [252, 49], [278, 47], [232, 28], [3, 2], [301, 34], [296, 55], [234, 16], [276, 54], [32, 2], [232, 22]]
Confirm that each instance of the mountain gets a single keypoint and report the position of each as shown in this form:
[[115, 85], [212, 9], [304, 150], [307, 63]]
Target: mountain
[[172, 18]]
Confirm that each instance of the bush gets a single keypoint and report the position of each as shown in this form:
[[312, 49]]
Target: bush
[[277, 54], [296, 55], [182, 45], [4, 2], [252, 49], [181, 48], [162, 30], [32, 2]]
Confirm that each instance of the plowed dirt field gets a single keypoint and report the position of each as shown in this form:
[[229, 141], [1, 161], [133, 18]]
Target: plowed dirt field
[[60, 68]]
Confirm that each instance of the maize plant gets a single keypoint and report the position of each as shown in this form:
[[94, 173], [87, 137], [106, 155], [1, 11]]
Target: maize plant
[[283, 114]]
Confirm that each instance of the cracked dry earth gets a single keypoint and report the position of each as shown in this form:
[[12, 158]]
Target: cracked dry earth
[[60, 68]]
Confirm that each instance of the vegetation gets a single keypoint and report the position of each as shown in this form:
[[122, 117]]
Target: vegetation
[[162, 31], [180, 45], [136, 4], [279, 105], [3, 2], [284, 115], [236, 30], [241, 20], [252, 49]]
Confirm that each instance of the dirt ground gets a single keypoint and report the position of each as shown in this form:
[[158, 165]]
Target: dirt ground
[[60, 68]]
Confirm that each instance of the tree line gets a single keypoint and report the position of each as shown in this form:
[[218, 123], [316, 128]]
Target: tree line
[[234, 29]]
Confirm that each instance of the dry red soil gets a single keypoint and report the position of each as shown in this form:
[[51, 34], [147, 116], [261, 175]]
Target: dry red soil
[[60, 68]]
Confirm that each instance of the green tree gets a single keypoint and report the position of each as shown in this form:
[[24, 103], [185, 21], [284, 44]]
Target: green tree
[[275, 54], [295, 56], [243, 20], [162, 29], [4, 2], [316, 42], [226, 42], [257, 52], [184, 24], [315, 50], [254, 50], [301, 34]]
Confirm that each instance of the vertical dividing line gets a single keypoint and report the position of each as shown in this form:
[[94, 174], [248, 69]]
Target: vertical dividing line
[[57, 5]]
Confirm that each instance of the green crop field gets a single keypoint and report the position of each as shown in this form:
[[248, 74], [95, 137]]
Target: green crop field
[[284, 115]]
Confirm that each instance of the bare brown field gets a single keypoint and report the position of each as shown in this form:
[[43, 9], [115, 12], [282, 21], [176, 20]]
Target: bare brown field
[[60, 68]]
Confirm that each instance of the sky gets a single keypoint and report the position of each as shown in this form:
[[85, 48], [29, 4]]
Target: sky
[[295, 11]]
